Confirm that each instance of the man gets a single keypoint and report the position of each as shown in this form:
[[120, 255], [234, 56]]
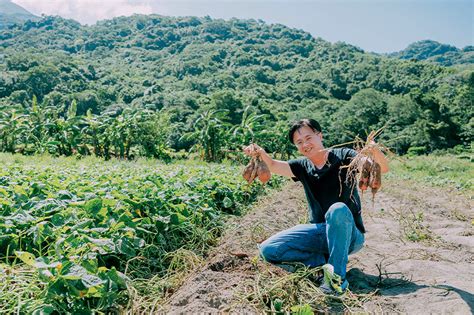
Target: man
[[336, 228]]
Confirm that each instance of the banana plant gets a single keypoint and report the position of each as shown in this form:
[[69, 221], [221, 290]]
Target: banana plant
[[209, 134], [67, 131], [13, 127], [91, 131], [244, 132]]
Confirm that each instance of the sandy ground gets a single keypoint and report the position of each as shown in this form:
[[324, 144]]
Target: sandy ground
[[434, 274]]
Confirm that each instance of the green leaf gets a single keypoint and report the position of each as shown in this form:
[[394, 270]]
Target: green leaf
[[177, 218], [45, 309], [119, 278], [302, 310], [58, 287], [103, 245], [278, 304], [77, 272], [27, 258], [65, 195], [124, 246], [3, 191], [43, 263], [227, 202], [45, 275], [93, 206], [81, 224], [90, 281]]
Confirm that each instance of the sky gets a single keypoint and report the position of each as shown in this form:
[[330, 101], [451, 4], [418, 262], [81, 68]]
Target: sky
[[374, 25]]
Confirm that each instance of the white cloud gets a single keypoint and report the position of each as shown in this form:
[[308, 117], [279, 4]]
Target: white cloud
[[86, 11]]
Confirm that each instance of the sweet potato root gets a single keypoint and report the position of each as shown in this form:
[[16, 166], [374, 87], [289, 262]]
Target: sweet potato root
[[364, 176], [248, 172], [363, 169], [256, 168], [263, 172], [375, 181]]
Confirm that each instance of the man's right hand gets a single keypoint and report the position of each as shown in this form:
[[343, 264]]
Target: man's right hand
[[253, 150], [277, 167]]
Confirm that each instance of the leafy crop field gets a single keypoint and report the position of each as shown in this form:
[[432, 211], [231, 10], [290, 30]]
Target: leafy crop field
[[74, 234]]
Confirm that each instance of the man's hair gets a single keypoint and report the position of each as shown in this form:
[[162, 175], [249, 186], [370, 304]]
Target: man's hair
[[311, 123]]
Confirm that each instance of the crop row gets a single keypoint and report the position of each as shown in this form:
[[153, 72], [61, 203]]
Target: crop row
[[79, 225]]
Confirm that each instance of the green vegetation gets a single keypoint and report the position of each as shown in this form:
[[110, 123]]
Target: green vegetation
[[413, 227], [84, 230], [84, 235], [433, 51], [449, 171], [152, 85]]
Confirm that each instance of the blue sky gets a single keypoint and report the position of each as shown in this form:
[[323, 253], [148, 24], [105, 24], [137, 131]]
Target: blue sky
[[373, 25]]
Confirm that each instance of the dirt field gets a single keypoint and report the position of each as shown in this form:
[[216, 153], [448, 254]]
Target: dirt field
[[418, 258]]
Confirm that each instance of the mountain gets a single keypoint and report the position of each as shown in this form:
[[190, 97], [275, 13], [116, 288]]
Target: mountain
[[433, 51], [186, 65], [11, 13]]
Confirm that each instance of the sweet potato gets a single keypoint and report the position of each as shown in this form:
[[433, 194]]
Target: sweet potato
[[249, 172], [364, 176], [263, 172], [256, 168], [361, 169], [375, 178]]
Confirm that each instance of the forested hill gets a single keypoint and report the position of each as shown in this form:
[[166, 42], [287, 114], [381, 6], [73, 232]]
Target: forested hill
[[10, 14], [188, 67], [433, 51]]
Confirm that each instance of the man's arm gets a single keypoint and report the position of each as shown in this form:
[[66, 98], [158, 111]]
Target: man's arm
[[275, 166]]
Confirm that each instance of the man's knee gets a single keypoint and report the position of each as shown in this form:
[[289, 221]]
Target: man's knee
[[268, 251], [338, 213]]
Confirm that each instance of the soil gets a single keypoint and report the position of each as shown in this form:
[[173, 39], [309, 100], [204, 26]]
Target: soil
[[418, 255]]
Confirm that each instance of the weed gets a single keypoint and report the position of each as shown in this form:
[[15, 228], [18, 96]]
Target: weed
[[413, 227]]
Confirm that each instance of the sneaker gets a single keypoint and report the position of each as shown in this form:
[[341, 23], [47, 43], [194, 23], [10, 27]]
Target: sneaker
[[333, 284], [316, 276], [291, 268]]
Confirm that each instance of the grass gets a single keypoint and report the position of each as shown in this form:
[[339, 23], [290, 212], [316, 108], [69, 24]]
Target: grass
[[149, 294], [447, 173], [18, 286], [455, 172]]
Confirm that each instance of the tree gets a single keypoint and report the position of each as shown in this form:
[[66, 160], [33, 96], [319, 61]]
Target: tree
[[227, 102], [41, 80]]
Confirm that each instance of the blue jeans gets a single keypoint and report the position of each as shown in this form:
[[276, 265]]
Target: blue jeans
[[311, 244]]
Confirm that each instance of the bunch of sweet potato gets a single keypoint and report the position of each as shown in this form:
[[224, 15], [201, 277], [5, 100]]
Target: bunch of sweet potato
[[257, 168], [370, 176]]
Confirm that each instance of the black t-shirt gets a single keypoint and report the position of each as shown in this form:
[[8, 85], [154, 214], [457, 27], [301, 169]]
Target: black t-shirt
[[323, 186]]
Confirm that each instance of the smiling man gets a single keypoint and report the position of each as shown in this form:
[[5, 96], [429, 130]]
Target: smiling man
[[335, 227]]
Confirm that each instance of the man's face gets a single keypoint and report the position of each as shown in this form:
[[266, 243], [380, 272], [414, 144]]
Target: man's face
[[308, 141]]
